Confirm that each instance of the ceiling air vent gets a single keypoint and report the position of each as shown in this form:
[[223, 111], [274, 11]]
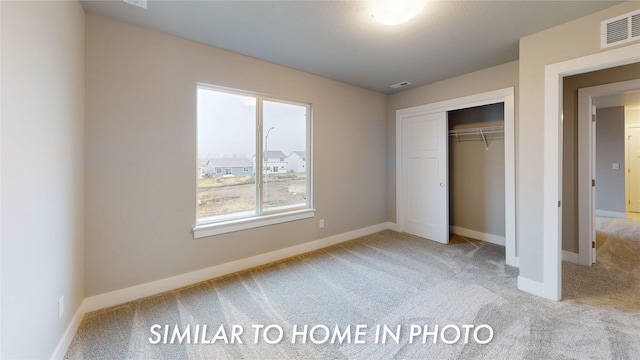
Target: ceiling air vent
[[400, 84], [620, 29]]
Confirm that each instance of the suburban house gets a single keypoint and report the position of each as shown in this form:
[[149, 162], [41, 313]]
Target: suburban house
[[220, 167], [297, 161], [275, 162], [106, 92]]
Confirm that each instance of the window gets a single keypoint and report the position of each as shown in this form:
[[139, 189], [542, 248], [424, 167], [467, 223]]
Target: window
[[219, 171], [250, 131]]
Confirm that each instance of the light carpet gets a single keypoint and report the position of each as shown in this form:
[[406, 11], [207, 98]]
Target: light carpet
[[387, 278], [614, 281]]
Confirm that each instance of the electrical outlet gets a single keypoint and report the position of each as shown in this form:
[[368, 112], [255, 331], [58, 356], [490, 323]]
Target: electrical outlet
[[321, 223], [60, 307], [615, 166]]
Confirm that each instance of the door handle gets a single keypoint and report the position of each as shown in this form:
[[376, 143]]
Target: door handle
[[441, 184]]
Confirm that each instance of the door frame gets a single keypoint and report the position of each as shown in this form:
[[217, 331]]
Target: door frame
[[505, 96], [627, 177], [552, 161], [587, 161]]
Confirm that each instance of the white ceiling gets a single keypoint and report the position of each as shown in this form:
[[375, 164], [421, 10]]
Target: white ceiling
[[339, 40]]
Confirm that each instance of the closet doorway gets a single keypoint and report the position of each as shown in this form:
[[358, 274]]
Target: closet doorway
[[477, 173], [419, 191]]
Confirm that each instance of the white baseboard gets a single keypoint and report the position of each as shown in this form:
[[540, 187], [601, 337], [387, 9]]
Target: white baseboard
[[393, 226], [69, 334], [611, 214], [494, 239], [530, 286], [517, 262], [155, 287], [570, 257]]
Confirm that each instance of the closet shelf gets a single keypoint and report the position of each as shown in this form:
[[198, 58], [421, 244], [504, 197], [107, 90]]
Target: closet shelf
[[484, 133]]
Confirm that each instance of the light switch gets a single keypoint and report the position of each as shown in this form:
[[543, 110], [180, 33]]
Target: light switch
[[615, 166]]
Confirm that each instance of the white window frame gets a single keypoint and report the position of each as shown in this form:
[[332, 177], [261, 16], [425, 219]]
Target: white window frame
[[221, 224]]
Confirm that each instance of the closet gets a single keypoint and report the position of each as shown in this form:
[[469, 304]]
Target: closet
[[455, 170], [477, 172]]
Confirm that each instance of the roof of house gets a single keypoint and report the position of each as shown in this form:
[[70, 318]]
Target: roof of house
[[274, 154], [301, 154], [229, 162]]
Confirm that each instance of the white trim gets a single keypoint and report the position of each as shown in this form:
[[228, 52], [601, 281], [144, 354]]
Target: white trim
[[63, 345], [392, 226], [1, 127], [511, 244], [530, 286], [505, 96], [201, 231], [155, 287], [552, 225], [486, 98], [611, 214], [586, 163], [494, 239], [570, 257]]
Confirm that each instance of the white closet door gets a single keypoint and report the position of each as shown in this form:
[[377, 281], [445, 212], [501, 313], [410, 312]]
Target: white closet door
[[425, 176]]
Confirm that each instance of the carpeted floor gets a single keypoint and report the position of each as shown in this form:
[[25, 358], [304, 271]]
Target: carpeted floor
[[614, 281], [386, 279]]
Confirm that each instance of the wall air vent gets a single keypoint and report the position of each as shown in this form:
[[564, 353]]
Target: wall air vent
[[400, 84], [620, 29], [138, 3]]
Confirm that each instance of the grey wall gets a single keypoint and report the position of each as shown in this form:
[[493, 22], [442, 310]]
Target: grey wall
[[570, 87], [476, 175], [42, 173], [610, 187], [141, 152]]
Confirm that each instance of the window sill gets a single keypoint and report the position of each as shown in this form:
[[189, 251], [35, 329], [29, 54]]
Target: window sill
[[224, 227]]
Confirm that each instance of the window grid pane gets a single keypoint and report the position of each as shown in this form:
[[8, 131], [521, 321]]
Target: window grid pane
[[226, 145]]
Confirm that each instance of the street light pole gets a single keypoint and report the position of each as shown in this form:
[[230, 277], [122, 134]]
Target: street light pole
[[266, 149]]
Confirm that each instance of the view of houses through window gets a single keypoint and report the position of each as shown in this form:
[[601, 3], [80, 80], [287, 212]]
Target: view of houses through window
[[235, 180]]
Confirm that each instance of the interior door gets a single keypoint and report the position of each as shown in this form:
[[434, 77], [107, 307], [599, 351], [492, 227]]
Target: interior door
[[634, 169], [425, 176], [592, 208]]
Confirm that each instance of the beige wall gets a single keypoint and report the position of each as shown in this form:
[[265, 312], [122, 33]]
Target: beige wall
[[570, 87], [42, 173], [610, 184], [141, 155], [571, 40], [476, 174], [494, 78], [631, 115]]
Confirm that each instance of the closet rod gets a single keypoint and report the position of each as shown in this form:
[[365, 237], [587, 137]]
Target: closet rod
[[483, 132], [476, 131]]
